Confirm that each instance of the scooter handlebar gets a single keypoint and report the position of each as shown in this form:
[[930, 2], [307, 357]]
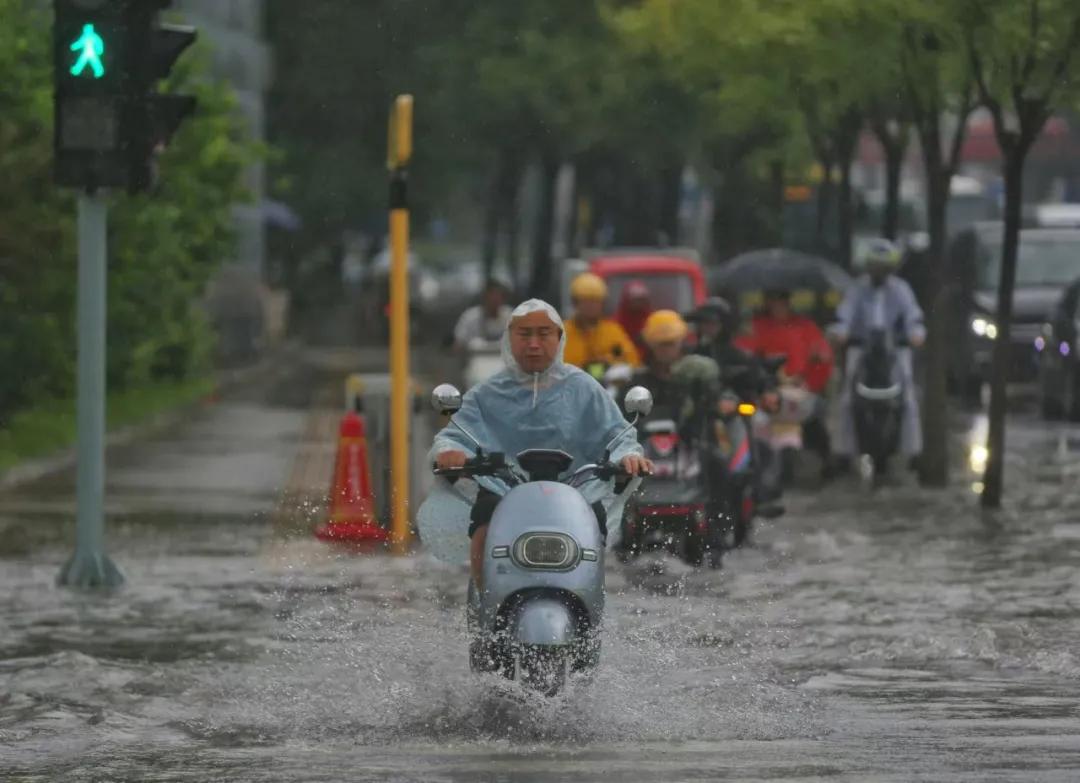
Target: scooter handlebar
[[485, 465]]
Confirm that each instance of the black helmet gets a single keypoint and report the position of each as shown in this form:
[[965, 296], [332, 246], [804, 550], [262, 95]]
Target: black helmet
[[716, 309]]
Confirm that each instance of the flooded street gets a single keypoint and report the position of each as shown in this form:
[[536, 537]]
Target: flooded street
[[899, 636]]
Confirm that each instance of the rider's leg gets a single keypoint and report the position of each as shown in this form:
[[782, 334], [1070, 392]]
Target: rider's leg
[[482, 511], [845, 436], [911, 434]]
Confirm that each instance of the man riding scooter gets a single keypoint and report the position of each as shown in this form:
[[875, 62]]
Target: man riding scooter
[[485, 321], [594, 342], [478, 332], [536, 402], [880, 306], [744, 378]]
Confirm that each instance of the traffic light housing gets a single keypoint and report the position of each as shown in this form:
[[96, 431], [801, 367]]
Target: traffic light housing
[[110, 119]]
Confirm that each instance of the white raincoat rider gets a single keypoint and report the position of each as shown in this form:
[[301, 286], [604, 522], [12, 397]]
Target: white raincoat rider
[[536, 402], [880, 301]]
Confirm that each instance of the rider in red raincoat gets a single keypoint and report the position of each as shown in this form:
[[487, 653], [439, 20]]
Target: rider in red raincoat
[[779, 330]]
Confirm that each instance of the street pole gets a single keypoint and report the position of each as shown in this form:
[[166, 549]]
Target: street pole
[[400, 151], [90, 566]]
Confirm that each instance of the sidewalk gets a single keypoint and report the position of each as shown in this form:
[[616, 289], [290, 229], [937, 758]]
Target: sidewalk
[[263, 449]]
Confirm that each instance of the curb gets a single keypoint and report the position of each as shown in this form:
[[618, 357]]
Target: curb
[[38, 468]]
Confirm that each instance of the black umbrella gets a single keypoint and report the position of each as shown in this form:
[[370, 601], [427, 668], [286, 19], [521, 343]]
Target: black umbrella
[[759, 270], [812, 281]]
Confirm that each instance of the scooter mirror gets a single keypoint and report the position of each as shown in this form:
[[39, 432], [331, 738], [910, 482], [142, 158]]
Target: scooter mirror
[[446, 399], [638, 401]]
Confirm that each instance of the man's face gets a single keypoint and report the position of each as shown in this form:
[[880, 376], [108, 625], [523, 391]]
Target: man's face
[[589, 309], [534, 341], [710, 330], [779, 308], [879, 273], [667, 352]]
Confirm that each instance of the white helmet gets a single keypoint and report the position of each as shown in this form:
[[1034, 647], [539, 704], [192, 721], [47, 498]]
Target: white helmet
[[882, 253]]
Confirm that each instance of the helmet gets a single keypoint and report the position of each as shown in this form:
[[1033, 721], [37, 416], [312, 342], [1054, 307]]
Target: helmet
[[882, 253], [664, 326], [588, 286], [715, 308]]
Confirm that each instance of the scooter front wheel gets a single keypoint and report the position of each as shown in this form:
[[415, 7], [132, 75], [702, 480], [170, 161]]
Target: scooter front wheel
[[543, 670]]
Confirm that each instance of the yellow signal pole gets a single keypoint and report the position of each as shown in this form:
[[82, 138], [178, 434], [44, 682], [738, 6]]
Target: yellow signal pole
[[400, 151]]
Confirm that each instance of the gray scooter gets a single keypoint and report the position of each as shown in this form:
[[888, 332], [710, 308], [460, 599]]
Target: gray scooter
[[539, 614]]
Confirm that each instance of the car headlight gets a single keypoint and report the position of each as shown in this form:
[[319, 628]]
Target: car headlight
[[984, 327], [548, 551]]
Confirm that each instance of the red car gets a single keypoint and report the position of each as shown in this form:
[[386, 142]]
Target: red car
[[674, 278]]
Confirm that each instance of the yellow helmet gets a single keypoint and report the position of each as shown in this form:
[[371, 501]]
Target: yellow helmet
[[664, 326], [588, 286]]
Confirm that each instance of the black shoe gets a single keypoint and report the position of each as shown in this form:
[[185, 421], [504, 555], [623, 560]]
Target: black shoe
[[841, 466], [915, 464]]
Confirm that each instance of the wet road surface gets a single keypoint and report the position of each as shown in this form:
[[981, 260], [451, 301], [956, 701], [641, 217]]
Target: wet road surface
[[896, 637]]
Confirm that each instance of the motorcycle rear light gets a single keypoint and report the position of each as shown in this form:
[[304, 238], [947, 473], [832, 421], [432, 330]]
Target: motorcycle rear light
[[549, 551], [500, 551]]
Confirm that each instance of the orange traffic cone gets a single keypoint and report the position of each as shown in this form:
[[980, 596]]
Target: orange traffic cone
[[352, 506]]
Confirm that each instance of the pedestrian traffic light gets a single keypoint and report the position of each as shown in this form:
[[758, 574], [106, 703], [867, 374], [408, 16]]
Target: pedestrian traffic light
[[89, 51], [110, 119]]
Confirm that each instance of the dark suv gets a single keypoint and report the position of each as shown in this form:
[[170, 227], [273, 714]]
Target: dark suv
[[1049, 259]]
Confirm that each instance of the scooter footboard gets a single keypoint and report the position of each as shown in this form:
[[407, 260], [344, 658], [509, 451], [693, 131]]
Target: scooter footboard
[[544, 621]]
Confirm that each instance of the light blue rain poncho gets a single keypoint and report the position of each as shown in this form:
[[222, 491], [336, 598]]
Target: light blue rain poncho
[[560, 408]]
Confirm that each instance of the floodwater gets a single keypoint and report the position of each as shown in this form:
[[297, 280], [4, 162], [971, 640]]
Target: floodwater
[[900, 636]]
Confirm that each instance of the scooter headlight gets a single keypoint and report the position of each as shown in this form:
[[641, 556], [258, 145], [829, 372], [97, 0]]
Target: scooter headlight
[[984, 327], [548, 551]]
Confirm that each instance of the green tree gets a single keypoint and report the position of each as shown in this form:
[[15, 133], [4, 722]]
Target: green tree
[[163, 247], [1025, 58]]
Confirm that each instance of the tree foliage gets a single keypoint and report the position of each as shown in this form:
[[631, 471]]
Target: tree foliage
[[163, 247]]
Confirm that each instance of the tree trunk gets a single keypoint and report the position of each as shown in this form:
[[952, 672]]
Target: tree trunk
[[993, 481], [670, 196], [540, 286], [512, 218], [894, 163], [492, 211], [934, 467], [776, 202], [824, 203], [845, 214]]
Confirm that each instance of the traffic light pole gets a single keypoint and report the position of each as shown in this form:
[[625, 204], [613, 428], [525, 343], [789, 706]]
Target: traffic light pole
[[90, 566]]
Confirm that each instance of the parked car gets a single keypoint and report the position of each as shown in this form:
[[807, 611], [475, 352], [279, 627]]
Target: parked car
[[1058, 348], [1048, 260], [674, 276]]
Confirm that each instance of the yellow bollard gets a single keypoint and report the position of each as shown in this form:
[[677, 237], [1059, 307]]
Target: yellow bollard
[[400, 151]]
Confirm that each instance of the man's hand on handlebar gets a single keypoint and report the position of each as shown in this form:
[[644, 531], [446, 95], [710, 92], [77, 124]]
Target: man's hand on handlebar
[[450, 459], [637, 465], [916, 340]]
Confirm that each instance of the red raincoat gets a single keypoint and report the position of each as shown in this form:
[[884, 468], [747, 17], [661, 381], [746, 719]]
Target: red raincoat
[[809, 354], [633, 320]]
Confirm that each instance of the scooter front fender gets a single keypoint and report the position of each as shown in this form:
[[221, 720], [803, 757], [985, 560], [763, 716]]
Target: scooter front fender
[[544, 621]]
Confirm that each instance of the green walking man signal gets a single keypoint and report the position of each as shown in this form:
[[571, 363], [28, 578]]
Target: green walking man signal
[[90, 48]]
